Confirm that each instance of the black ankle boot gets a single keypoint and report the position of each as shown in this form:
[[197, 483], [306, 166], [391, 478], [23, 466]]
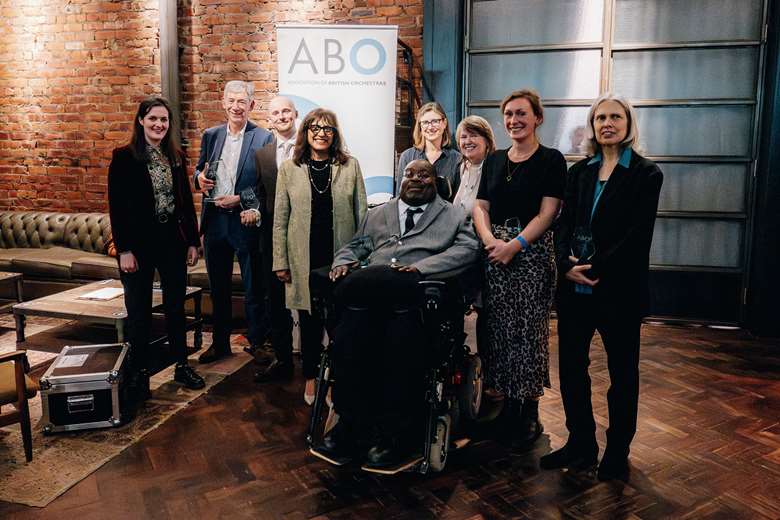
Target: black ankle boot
[[527, 427]]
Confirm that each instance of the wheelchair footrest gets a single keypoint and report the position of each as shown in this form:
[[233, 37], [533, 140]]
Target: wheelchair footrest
[[336, 461], [403, 466]]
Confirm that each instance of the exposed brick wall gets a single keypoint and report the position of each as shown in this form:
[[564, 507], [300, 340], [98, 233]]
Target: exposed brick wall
[[236, 39], [72, 73]]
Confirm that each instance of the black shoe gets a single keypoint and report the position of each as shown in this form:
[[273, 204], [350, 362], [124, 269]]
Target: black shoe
[[613, 468], [567, 457], [185, 375], [214, 353], [527, 428], [263, 354], [276, 371], [337, 447]]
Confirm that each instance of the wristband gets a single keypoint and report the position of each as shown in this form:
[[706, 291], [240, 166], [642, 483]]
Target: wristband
[[523, 242]]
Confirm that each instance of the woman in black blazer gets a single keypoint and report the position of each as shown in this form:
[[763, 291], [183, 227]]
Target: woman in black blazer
[[602, 251], [154, 227]]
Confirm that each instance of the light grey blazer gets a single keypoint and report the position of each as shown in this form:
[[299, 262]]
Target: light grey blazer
[[441, 240]]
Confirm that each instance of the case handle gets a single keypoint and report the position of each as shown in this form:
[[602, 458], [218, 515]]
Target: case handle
[[81, 403]]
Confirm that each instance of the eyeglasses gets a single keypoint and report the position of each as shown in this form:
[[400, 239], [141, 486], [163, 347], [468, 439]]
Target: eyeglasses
[[431, 122], [327, 130], [420, 175]]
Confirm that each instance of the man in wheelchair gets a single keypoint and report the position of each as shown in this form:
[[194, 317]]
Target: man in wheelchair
[[379, 351]]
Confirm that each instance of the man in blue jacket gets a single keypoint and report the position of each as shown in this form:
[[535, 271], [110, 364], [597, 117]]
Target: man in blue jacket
[[227, 156]]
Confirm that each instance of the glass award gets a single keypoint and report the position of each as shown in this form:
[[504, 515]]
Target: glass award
[[249, 200], [583, 249], [211, 174]]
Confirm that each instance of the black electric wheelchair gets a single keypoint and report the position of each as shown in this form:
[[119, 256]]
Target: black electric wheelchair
[[453, 375]]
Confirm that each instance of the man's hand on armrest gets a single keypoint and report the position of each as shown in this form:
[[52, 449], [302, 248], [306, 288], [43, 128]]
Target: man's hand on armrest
[[340, 271]]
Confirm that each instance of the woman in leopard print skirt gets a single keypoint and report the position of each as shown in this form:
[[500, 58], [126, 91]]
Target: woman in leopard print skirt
[[518, 199]]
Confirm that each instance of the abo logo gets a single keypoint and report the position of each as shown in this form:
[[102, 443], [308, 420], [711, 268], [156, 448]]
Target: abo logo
[[333, 61]]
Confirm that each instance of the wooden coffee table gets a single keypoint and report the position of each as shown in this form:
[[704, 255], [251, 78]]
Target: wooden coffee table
[[67, 305], [16, 279]]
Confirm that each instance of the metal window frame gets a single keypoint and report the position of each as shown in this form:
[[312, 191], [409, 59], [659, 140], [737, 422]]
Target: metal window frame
[[608, 48]]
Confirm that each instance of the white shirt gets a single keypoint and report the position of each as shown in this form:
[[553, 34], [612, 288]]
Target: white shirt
[[228, 163], [469, 186], [402, 207], [284, 149]]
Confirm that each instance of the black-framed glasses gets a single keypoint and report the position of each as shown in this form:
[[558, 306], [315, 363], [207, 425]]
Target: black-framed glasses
[[327, 130], [434, 122], [419, 175]]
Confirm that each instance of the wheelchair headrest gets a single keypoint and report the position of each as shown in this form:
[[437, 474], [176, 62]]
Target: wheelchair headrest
[[444, 188]]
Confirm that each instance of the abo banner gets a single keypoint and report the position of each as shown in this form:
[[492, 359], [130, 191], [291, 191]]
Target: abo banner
[[351, 70]]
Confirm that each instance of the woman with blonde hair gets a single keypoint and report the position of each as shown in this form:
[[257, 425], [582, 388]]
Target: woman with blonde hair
[[320, 201], [519, 197], [603, 251], [475, 141], [431, 143]]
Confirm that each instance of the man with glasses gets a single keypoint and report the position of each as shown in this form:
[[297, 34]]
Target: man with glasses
[[416, 235], [282, 117], [226, 175]]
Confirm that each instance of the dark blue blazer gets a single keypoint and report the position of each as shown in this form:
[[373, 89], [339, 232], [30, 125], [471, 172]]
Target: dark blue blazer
[[211, 145]]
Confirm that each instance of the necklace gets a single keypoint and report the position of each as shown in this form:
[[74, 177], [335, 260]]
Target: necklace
[[523, 158], [311, 178], [311, 165], [511, 173]]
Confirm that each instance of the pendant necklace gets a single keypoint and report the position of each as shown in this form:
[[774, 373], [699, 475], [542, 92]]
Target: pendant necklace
[[311, 178], [511, 173]]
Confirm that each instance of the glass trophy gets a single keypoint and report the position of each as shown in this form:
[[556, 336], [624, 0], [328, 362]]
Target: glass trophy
[[583, 249], [249, 199], [211, 174]]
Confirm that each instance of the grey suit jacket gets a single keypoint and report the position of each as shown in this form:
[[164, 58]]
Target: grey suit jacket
[[441, 240]]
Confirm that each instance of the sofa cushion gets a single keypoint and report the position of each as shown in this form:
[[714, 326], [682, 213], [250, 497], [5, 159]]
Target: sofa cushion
[[87, 232], [34, 229], [94, 267], [54, 262], [199, 278]]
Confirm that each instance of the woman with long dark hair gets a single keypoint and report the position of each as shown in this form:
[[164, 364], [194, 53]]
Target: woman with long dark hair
[[320, 202], [154, 228], [603, 251]]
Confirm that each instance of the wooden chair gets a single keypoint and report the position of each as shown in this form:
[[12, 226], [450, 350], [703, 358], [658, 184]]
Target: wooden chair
[[15, 389]]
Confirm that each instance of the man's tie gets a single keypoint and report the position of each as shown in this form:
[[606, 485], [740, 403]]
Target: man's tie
[[410, 213]]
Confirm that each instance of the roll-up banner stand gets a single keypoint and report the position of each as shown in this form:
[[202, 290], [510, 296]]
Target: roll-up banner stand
[[351, 70]]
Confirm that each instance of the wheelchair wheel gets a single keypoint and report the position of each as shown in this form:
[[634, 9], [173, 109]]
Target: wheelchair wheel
[[470, 391], [440, 446]]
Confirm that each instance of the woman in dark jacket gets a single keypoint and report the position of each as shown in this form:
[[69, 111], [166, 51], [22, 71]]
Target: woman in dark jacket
[[602, 251], [154, 228]]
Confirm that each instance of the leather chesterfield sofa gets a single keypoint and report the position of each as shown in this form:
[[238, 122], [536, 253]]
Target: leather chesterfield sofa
[[59, 251]]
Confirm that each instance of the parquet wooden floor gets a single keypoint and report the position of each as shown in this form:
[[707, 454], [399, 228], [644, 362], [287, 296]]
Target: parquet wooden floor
[[708, 446]]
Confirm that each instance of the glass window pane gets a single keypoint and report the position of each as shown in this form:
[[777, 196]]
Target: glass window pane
[[703, 187], [563, 127], [710, 243], [509, 22], [660, 21], [686, 74], [556, 75], [696, 130]]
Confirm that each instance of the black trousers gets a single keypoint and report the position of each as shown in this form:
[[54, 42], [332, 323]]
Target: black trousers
[[225, 239], [281, 318], [378, 359], [169, 257], [579, 316]]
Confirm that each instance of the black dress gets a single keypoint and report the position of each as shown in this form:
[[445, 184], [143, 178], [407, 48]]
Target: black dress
[[518, 297], [320, 255]]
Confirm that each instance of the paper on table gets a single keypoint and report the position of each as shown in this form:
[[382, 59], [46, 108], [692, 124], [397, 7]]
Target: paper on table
[[107, 293]]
